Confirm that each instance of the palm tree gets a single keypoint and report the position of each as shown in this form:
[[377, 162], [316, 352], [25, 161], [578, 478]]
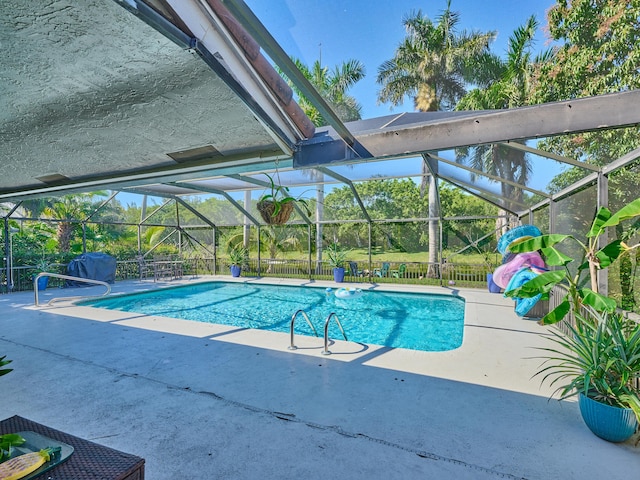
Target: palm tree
[[431, 65], [70, 210], [511, 87], [332, 85], [35, 207], [279, 239]]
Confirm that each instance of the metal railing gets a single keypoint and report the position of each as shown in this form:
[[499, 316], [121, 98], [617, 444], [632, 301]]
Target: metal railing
[[293, 319], [67, 277], [420, 273], [326, 332], [22, 278]]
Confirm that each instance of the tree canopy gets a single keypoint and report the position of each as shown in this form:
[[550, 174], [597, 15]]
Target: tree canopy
[[332, 85], [432, 61], [511, 86], [598, 53]]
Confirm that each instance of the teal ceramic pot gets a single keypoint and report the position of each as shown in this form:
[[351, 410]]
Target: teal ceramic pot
[[613, 424]]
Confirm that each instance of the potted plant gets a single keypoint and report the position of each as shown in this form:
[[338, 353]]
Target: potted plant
[[276, 207], [599, 359], [237, 258], [337, 259], [42, 266], [600, 362]]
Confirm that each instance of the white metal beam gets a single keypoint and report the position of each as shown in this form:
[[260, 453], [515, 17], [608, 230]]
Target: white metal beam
[[524, 148], [411, 135], [211, 33], [488, 175]]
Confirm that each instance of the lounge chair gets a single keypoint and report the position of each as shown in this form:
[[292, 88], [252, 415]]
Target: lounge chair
[[402, 268], [354, 270], [382, 272]]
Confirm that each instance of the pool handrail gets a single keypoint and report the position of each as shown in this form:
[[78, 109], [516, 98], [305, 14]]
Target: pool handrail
[[326, 332], [67, 277], [293, 319]]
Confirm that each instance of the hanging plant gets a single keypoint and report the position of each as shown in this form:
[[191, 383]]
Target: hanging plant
[[276, 207]]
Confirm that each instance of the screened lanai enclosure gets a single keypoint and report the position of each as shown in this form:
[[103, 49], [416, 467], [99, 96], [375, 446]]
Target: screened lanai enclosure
[[150, 130]]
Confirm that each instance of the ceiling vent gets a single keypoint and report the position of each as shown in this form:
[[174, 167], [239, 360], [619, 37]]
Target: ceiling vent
[[194, 154], [54, 179]]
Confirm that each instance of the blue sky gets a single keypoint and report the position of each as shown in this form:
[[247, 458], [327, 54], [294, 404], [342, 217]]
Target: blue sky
[[371, 30]]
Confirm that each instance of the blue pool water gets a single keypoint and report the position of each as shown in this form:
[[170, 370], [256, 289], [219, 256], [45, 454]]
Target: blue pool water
[[428, 322]]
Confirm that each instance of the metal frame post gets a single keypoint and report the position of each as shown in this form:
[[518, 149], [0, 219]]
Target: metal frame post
[[258, 226], [309, 249], [603, 201], [215, 250], [7, 253], [370, 258]]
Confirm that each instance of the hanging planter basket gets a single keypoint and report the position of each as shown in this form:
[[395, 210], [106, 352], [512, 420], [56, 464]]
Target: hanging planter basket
[[266, 209]]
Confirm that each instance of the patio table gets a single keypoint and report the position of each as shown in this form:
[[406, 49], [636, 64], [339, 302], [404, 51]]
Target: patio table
[[89, 461]]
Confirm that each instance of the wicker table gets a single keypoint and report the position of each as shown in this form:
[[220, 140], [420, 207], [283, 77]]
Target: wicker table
[[89, 461]]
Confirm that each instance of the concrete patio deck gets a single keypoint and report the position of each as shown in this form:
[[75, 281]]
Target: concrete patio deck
[[201, 401]]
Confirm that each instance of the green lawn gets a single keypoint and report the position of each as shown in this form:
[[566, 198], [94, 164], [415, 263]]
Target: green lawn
[[361, 255]]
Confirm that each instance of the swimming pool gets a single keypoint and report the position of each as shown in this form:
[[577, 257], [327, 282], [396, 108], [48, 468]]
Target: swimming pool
[[430, 322]]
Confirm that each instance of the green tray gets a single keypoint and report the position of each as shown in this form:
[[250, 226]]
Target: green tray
[[34, 442]]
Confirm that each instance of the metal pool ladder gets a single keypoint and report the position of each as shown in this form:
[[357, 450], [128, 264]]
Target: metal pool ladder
[[293, 319], [67, 277], [326, 332]]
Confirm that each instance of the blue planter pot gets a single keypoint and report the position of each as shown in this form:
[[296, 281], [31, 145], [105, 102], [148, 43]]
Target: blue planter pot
[[613, 424], [338, 275], [235, 270], [493, 288], [42, 283]]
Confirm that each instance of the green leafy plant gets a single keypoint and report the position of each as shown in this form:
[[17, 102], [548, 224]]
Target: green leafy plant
[[593, 259], [336, 255], [3, 362], [600, 358], [276, 207], [42, 265], [238, 256], [600, 355], [7, 442]]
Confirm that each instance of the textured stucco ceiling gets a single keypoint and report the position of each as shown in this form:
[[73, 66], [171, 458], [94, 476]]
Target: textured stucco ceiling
[[87, 90], [92, 97]]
